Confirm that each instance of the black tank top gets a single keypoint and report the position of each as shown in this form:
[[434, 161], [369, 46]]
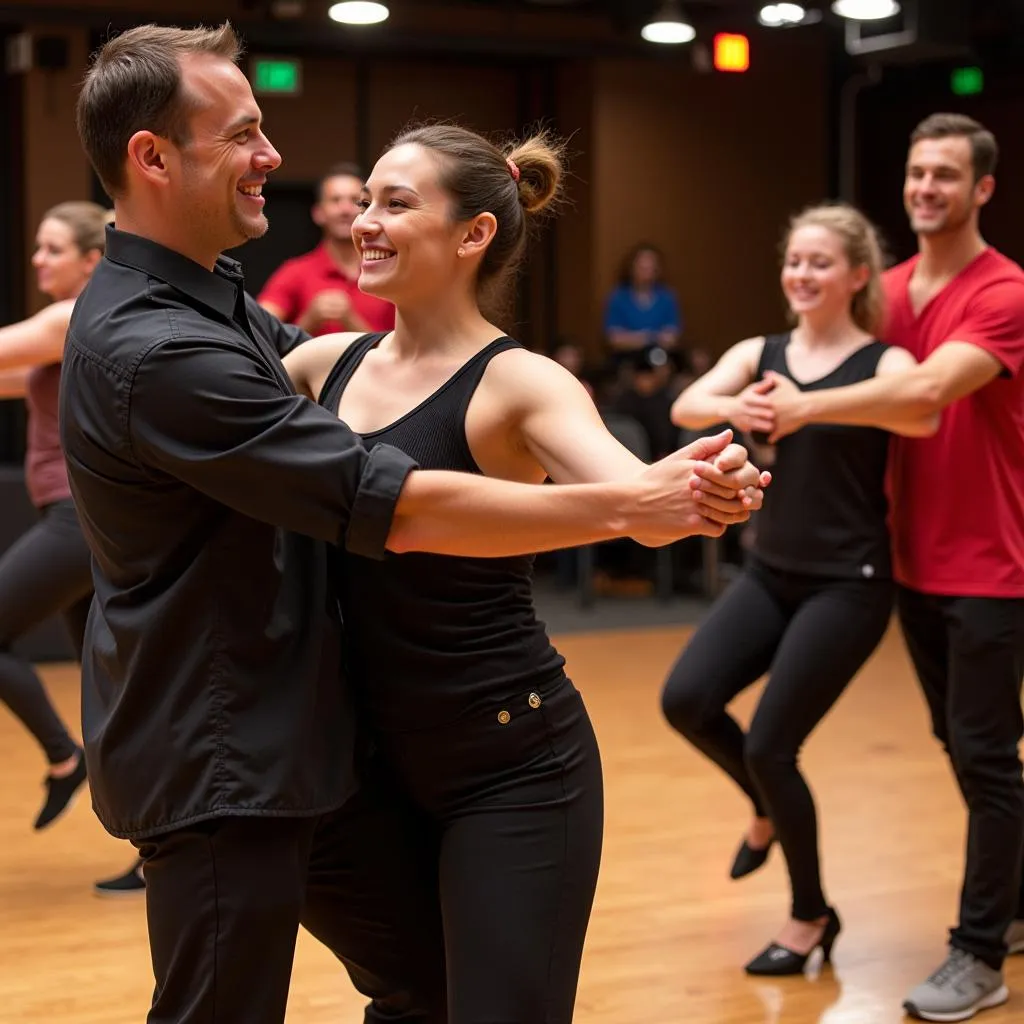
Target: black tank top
[[434, 637], [825, 512]]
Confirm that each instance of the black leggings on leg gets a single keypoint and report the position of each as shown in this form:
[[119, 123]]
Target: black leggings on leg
[[516, 799], [813, 634], [44, 572]]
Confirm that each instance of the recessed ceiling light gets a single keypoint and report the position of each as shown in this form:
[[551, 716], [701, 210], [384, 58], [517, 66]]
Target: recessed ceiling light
[[669, 26], [779, 15], [358, 12], [866, 10]]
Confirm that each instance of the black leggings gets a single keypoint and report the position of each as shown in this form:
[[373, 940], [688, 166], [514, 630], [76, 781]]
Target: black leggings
[[45, 571], [814, 634], [515, 805]]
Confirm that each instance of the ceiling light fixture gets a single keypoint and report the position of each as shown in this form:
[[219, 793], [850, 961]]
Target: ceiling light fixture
[[866, 10], [669, 26], [358, 12], [781, 15]]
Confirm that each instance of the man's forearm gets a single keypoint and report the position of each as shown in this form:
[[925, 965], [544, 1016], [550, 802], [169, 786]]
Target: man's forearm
[[888, 402], [14, 383], [462, 514]]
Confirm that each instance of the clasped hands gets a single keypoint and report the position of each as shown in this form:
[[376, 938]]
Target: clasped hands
[[772, 407], [726, 487], [699, 490]]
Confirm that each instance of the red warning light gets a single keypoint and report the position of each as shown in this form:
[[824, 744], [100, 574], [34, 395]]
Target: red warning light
[[732, 52]]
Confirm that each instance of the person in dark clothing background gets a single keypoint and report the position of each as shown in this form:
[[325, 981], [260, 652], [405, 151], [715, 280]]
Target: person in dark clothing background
[[649, 399], [217, 736], [816, 598]]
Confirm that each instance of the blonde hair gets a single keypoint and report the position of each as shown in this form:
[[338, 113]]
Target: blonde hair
[[87, 222], [862, 247], [515, 181]]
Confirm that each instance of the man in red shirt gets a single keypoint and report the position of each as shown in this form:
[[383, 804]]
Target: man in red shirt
[[319, 291], [957, 527]]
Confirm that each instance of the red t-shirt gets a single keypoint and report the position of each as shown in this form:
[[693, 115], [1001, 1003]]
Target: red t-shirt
[[958, 497], [294, 285]]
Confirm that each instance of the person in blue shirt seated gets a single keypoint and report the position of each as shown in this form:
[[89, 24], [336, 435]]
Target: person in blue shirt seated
[[642, 312]]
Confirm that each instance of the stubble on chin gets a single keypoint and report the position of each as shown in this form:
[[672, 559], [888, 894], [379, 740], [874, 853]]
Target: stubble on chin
[[249, 230]]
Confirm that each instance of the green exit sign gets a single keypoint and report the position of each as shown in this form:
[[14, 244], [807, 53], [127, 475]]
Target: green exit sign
[[967, 81], [276, 76]]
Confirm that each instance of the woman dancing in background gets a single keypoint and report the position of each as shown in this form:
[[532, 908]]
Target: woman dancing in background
[[816, 597], [47, 570]]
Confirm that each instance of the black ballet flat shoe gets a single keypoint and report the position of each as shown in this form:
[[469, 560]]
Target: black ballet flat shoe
[[776, 960], [748, 859], [59, 793]]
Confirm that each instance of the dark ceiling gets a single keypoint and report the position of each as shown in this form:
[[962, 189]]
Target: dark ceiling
[[987, 13], [985, 19], [524, 27]]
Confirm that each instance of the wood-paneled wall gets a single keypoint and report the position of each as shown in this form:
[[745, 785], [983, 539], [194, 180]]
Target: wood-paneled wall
[[706, 166]]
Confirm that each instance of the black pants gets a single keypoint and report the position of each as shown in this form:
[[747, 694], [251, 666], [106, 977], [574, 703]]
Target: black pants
[[969, 656], [45, 571], [813, 634], [225, 899], [516, 809]]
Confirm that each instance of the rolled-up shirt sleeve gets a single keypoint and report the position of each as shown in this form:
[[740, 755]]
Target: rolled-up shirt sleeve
[[211, 415]]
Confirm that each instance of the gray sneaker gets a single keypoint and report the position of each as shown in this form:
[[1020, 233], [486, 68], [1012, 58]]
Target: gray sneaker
[[1015, 937], [961, 987]]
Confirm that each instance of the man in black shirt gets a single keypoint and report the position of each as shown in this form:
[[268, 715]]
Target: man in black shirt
[[219, 735]]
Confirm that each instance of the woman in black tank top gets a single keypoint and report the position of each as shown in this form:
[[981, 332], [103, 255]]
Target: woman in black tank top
[[467, 703], [815, 599]]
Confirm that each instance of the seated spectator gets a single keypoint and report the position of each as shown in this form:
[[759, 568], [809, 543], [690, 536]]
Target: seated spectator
[[642, 312], [319, 290], [648, 399]]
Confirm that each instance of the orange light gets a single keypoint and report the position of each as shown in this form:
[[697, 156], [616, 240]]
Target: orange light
[[732, 52]]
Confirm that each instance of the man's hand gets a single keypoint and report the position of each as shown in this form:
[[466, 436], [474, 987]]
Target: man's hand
[[699, 489], [332, 306], [728, 477], [752, 410], [787, 402]]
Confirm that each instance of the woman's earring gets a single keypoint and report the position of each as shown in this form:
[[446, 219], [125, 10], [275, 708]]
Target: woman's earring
[[462, 252]]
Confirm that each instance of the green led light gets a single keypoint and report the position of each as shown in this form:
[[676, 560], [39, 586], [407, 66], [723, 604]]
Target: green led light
[[967, 81], [275, 76]]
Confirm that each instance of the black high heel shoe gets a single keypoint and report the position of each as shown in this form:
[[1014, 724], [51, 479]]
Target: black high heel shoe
[[748, 859], [776, 960]]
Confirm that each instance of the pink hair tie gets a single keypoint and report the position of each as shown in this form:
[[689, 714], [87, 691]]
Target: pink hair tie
[[512, 168]]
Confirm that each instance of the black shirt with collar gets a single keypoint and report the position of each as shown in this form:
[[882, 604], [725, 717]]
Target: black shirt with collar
[[208, 490]]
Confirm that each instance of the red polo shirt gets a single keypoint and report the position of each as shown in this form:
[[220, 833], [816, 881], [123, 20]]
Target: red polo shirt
[[294, 285], [958, 497]]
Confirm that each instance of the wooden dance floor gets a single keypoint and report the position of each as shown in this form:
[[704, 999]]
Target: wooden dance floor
[[670, 932]]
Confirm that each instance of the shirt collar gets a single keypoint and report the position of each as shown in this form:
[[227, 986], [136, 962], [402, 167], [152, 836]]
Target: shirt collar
[[218, 290]]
